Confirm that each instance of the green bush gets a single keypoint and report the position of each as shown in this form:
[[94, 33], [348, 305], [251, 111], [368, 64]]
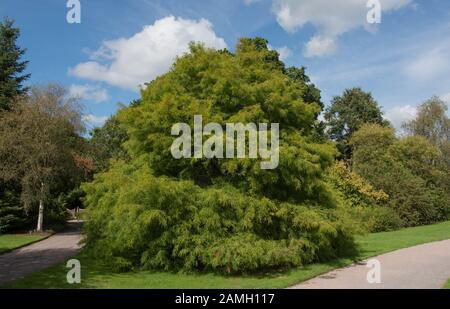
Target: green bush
[[158, 223], [355, 190], [397, 167], [56, 213], [12, 213], [373, 218], [365, 207]]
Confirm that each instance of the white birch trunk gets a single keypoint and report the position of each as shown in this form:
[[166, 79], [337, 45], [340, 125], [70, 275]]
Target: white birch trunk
[[41, 212]]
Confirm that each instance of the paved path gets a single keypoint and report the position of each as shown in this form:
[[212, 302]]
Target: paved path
[[422, 267], [35, 257]]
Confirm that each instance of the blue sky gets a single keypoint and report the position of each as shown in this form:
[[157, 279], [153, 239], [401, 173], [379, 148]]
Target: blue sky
[[121, 44]]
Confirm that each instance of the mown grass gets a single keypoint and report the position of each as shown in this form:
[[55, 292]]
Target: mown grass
[[95, 274], [10, 242]]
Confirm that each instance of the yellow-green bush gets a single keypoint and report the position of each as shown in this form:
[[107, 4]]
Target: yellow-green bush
[[364, 206], [158, 223], [225, 215]]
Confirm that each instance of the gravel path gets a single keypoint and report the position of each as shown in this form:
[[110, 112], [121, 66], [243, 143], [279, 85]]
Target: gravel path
[[422, 267], [27, 260]]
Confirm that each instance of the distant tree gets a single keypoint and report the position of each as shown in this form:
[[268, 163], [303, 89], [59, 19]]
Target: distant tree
[[405, 170], [11, 66], [422, 157], [431, 121], [312, 93], [106, 143], [38, 140], [350, 112], [433, 124]]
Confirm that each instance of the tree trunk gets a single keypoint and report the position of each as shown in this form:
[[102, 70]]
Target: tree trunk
[[41, 211]]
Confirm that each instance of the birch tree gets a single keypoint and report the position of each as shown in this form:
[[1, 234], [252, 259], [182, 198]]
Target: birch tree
[[39, 138]]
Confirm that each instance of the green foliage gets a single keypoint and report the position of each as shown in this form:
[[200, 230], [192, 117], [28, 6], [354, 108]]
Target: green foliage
[[11, 68], [159, 223], [39, 141], [231, 88], [12, 212], [406, 172], [347, 113], [355, 189], [106, 143], [311, 95], [361, 203], [224, 215], [432, 124]]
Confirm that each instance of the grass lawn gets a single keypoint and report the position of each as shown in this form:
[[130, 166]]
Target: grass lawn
[[11, 241], [96, 275], [447, 285]]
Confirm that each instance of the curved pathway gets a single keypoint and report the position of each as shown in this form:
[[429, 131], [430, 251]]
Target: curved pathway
[[422, 267], [35, 257]]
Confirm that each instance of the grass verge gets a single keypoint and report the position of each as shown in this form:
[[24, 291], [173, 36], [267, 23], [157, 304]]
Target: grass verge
[[95, 274], [11, 242]]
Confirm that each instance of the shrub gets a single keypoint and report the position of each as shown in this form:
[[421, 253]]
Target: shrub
[[159, 223], [355, 189], [364, 206], [12, 213]]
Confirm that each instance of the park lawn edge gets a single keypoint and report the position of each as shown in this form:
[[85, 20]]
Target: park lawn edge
[[44, 237]]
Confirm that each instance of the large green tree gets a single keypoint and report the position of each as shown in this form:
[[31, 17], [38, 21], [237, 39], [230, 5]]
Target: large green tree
[[228, 215], [349, 112], [11, 65]]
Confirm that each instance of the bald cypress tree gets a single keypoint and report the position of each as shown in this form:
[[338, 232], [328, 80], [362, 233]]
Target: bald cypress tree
[[11, 65], [228, 215]]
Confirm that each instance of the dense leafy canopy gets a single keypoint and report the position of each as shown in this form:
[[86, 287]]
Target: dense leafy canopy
[[406, 169], [348, 113], [106, 143], [225, 215]]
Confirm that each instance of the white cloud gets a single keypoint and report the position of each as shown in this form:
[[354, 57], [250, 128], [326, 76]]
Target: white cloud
[[320, 46], [133, 61], [95, 121], [285, 52], [401, 114], [89, 92], [330, 18], [429, 65]]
